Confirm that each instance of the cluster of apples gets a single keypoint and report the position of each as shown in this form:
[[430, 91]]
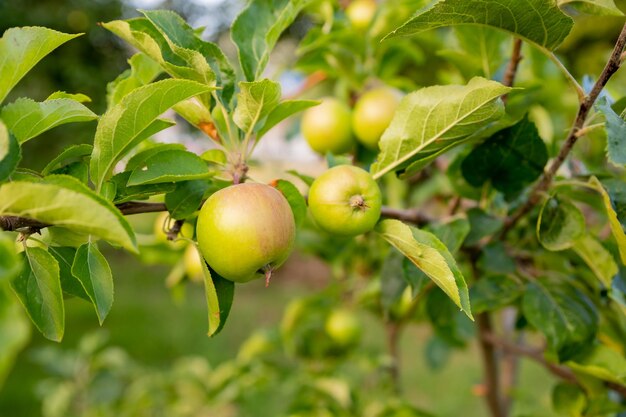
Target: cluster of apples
[[247, 230]]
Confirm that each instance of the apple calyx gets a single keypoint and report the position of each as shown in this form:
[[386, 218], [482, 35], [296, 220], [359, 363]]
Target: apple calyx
[[357, 202]]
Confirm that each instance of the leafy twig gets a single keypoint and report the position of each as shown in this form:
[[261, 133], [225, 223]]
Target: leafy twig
[[583, 111]]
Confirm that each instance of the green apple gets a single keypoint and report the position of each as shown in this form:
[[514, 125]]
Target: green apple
[[373, 113], [163, 222], [326, 127], [245, 231], [193, 263], [360, 13], [345, 200], [343, 327]]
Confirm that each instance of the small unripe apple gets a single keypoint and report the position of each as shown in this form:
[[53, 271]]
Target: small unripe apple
[[345, 200], [326, 127], [360, 13], [343, 327], [161, 223], [245, 231], [373, 113], [193, 263]]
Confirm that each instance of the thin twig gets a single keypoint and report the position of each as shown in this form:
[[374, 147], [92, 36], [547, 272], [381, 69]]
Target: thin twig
[[407, 215], [583, 111], [511, 69], [537, 355]]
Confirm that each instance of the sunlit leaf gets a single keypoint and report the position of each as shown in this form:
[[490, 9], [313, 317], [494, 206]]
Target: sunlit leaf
[[435, 119], [21, 49], [431, 256], [537, 21]]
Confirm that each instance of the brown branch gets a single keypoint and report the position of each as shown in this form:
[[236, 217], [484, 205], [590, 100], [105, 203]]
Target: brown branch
[[490, 364], [537, 355], [511, 69], [544, 183], [406, 215], [394, 330], [13, 223]]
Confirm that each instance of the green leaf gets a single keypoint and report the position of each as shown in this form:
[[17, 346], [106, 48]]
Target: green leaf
[[14, 331], [73, 153], [495, 291], [563, 313], [186, 198], [307, 179], [255, 100], [590, 7], [481, 224], [10, 264], [92, 270], [495, 259], [602, 362], [537, 21], [282, 111], [125, 125], [124, 193], [170, 166], [294, 198], [178, 32], [11, 153], [219, 295], [479, 51], [434, 119], [569, 400], [69, 283], [178, 62], [81, 98], [560, 224], [143, 70], [510, 159], [66, 202], [599, 260], [27, 118], [4, 140], [392, 282], [21, 49], [39, 289], [616, 133], [431, 256], [614, 223], [451, 233], [257, 29]]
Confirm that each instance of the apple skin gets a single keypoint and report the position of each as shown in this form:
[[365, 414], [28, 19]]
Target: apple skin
[[327, 127], [343, 327], [244, 228], [345, 200], [373, 113], [360, 13]]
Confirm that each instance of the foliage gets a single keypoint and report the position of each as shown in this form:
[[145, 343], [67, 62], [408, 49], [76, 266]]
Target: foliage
[[479, 223]]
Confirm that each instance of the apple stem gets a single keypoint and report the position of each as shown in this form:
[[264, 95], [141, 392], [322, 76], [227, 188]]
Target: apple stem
[[268, 274]]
